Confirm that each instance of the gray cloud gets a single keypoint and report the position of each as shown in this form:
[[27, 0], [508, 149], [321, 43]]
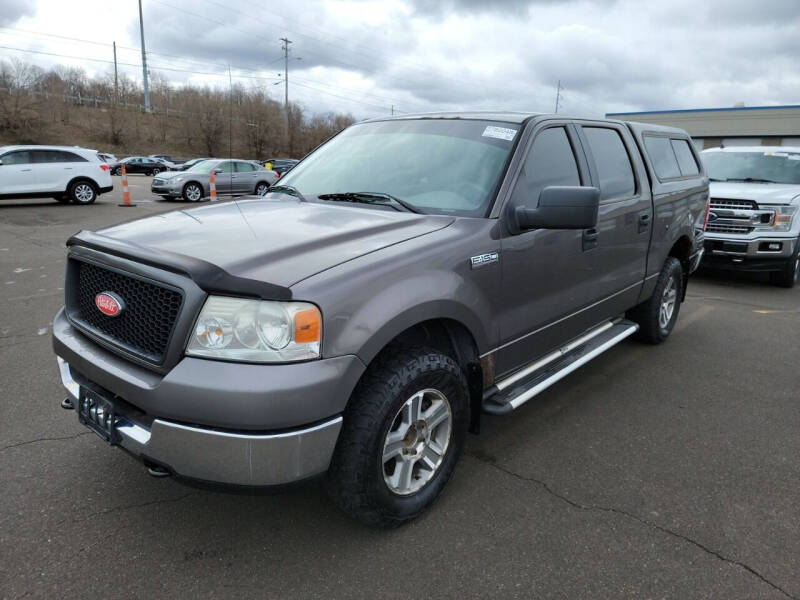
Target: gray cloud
[[12, 11], [470, 54]]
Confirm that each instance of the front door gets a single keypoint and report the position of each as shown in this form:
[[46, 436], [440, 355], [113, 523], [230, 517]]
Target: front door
[[17, 174], [223, 175], [548, 275]]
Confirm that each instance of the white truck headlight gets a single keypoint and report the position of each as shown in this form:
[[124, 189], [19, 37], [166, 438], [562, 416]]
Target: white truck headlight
[[782, 221], [256, 330]]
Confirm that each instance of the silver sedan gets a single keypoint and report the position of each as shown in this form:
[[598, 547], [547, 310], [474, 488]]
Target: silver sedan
[[233, 177]]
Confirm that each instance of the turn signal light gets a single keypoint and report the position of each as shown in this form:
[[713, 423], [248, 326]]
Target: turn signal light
[[307, 326]]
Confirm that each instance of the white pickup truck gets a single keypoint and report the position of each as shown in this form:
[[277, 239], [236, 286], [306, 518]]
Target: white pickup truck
[[753, 223]]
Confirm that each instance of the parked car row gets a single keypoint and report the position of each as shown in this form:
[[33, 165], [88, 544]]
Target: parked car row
[[232, 177]]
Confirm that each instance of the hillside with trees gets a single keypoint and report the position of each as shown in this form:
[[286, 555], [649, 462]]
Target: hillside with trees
[[65, 106]]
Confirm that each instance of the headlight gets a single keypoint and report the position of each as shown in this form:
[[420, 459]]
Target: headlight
[[782, 220], [256, 330]]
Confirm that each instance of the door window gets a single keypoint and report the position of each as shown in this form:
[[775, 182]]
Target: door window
[[685, 157], [550, 161], [20, 157], [612, 162], [243, 167], [225, 167], [661, 155]]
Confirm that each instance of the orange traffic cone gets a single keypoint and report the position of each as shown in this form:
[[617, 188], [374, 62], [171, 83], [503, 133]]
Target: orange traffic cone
[[126, 195], [212, 184]]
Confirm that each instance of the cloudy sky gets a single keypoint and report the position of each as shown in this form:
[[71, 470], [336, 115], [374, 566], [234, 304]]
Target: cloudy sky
[[363, 56]]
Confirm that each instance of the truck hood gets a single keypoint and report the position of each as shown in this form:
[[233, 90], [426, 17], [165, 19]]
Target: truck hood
[[276, 240], [766, 193]]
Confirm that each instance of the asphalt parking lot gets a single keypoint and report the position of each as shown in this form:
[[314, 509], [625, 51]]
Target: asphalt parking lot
[[652, 472]]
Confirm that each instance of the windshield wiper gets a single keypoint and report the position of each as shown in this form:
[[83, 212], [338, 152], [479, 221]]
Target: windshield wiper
[[751, 180], [371, 198], [288, 189]]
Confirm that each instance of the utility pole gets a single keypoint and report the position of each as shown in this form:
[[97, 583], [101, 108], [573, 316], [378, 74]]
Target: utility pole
[[558, 95], [116, 80], [144, 62], [285, 48]]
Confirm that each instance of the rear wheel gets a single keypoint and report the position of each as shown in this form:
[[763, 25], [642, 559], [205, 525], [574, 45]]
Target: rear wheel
[[790, 274], [261, 188], [403, 432], [82, 192], [657, 315], [192, 192]]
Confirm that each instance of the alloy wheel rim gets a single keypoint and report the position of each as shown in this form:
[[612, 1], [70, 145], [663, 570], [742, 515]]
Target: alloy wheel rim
[[84, 193], [261, 189], [193, 193], [667, 307], [417, 442]]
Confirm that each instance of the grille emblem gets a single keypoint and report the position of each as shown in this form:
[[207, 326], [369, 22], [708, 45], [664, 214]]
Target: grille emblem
[[109, 304]]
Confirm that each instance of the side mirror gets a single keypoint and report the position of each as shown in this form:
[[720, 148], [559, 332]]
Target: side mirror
[[560, 207]]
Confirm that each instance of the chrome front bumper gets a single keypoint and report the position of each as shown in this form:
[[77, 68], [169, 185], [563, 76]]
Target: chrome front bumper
[[218, 456]]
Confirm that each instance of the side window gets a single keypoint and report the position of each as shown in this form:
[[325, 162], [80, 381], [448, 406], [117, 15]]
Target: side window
[[685, 157], [550, 161], [225, 167], [20, 157], [612, 162], [659, 149], [243, 167]]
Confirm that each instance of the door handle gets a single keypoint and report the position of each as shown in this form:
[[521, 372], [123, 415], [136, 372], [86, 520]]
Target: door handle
[[589, 239], [644, 222]]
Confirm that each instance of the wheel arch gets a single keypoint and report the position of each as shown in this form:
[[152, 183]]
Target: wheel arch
[[79, 178], [449, 335]]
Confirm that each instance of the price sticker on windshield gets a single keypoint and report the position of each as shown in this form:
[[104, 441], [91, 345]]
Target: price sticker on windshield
[[500, 133]]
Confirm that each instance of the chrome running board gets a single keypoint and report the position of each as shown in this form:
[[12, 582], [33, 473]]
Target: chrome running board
[[513, 391]]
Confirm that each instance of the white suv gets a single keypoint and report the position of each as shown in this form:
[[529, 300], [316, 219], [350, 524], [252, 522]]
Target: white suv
[[61, 172]]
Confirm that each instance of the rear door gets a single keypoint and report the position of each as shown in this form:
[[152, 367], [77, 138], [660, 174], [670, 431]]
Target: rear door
[[625, 217], [55, 168], [244, 179], [17, 174]]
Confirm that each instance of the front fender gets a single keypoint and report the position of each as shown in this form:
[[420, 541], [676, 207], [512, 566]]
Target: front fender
[[394, 308]]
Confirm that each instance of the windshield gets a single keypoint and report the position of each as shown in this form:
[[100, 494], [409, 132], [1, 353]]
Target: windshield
[[204, 166], [445, 166], [771, 166]]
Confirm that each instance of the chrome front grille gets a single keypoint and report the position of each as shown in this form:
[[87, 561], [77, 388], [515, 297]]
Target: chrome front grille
[[735, 229], [725, 203]]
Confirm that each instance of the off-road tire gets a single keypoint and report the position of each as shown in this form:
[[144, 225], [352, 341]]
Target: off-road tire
[[646, 314], [355, 480], [790, 274], [82, 192]]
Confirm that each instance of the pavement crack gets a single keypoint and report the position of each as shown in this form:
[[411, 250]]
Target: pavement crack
[[617, 511], [44, 439], [127, 507]]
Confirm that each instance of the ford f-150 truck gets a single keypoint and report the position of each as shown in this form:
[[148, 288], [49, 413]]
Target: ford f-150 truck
[[753, 223], [409, 275]]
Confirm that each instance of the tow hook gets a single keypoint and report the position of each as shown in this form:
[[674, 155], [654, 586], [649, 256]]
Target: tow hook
[[67, 404]]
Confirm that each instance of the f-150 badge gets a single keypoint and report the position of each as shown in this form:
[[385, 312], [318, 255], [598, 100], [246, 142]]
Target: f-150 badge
[[484, 259]]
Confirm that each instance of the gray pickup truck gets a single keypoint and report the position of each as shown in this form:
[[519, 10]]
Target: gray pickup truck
[[407, 276]]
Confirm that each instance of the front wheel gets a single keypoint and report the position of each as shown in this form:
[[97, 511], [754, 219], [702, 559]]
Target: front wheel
[[790, 274], [82, 192], [403, 432], [657, 315], [192, 192]]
